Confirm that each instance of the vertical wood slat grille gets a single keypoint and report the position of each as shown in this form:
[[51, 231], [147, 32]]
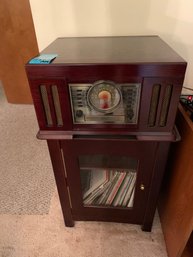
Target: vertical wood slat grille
[[51, 106], [154, 105], [57, 105], [165, 106], [44, 96]]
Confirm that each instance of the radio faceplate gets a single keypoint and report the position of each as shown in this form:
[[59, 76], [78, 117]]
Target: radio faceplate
[[105, 102]]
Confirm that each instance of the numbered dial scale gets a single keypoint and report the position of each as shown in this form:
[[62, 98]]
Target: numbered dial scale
[[105, 102], [104, 97]]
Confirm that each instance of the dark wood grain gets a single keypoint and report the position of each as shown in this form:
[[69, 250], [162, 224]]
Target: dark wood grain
[[116, 72], [59, 172], [144, 60], [176, 209], [128, 49], [156, 180], [133, 149]]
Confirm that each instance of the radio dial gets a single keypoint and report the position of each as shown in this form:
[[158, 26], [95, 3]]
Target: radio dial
[[104, 96], [105, 102], [105, 99]]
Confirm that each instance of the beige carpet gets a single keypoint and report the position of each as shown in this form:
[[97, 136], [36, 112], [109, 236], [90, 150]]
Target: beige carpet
[[26, 178], [45, 235]]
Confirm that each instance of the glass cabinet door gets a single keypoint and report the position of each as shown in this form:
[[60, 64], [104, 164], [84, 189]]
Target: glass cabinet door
[[108, 180]]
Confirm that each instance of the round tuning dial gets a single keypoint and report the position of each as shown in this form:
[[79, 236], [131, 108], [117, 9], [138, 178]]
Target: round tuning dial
[[105, 99], [104, 96]]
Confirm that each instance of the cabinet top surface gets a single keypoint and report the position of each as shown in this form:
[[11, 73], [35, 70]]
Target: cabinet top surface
[[112, 50]]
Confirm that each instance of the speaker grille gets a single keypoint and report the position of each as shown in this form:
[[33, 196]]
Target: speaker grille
[[57, 105], [44, 96], [165, 106], [153, 105]]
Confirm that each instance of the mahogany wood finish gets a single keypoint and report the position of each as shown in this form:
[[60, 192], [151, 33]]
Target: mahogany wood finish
[[141, 50], [142, 125], [60, 177], [176, 209], [149, 174], [133, 149], [146, 60], [156, 179]]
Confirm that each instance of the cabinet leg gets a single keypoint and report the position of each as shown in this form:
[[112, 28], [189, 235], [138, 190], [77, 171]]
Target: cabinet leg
[[59, 173], [147, 227], [68, 223]]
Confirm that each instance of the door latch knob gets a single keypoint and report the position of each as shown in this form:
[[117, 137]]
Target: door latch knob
[[142, 187]]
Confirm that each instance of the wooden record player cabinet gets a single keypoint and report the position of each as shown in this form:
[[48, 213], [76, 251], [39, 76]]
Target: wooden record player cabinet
[[108, 166]]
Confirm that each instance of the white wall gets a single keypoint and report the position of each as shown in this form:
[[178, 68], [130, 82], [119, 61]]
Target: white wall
[[172, 20], [43, 17]]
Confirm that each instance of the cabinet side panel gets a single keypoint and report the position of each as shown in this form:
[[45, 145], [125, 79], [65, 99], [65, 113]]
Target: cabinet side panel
[[59, 172], [156, 180]]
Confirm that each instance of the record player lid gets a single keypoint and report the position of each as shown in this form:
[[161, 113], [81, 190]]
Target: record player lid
[[109, 50]]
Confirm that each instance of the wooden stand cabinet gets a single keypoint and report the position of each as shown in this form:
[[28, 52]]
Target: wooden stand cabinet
[[71, 156]]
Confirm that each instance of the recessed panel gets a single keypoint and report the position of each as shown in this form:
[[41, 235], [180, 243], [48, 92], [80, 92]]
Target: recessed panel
[[105, 102]]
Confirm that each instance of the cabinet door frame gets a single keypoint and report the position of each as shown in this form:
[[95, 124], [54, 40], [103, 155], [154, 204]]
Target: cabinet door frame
[[141, 150]]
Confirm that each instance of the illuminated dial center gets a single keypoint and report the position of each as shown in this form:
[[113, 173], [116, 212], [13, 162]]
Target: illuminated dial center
[[104, 99]]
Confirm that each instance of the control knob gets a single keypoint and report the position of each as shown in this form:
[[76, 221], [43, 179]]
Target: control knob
[[79, 113]]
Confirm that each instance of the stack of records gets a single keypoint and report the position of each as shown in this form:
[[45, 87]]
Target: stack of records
[[108, 187]]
